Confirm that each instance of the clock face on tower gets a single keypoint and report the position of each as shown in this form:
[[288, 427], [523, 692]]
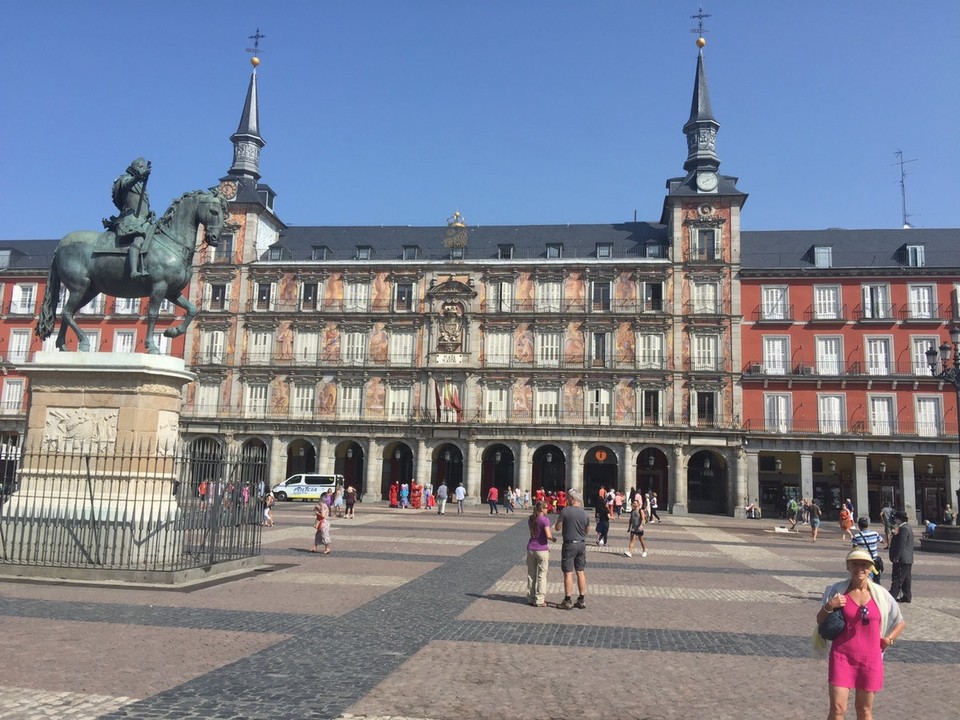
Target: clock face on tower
[[707, 181], [228, 188]]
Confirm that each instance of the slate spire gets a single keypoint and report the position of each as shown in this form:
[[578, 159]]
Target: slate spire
[[701, 129], [246, 140]]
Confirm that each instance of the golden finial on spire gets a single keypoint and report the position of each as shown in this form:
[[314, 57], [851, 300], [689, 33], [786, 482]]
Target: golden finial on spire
[[456, 220], [700, 17], [256, 37]]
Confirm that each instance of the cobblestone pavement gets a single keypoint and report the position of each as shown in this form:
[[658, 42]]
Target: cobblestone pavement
[[421, 617]]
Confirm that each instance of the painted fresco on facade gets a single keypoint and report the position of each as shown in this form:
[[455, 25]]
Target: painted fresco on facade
[[573, 291], [523, 344], [333, 292], [327, 397], [626, 343], [572, 400], [330, 348], [624, 404], [379, 344], [287, 291], [522, 400], [285, 340], [525, 291], [279, 397], [573, 344], [625, 291], [376, 396], [380, 292]]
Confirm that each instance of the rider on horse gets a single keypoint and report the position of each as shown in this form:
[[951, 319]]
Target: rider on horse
[[135, 223]]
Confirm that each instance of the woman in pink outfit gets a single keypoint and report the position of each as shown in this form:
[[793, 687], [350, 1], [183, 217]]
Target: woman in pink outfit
[[872, 622]]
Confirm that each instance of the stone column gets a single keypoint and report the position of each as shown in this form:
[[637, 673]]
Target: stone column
[[678, 482], [860, 500], [471, 472], [574, 478], [626, 466], [740, 489], [278, 461], [525, 467], [374, 472], [423, 466], [806, 476], [953, 484], [908, 486], [753, 477], [325, 463]]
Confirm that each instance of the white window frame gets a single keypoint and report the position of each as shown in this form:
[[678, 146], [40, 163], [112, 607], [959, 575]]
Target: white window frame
[[126, 306], [601, 349], [306, 347], [93, 337], [599, 405], [18, 346], [212, 346], [651, 351], [705, 245], [354, 349], [706, 298], [23, 299], [918, 353], [922, 301], [356, 296], [411, 305], [827, 303], [303, 402], [601, 304], [549, 348], [496, 401], [825, 364], [928, 411], [549, 293], [706, 352], [304, 303], [653, 302], [12, 399], [94, 307], [500, 296], [882, 414], [350, 402], [547, 404], [695, 419], [207, 401], [875, 298], [268, 303], [644, 393], [915, 256], [778, 412], [774, 303], [260, 349], [878, 355], [832, 413], [124, 341], [776, 354], [401, 348], [499, 348], [823, 256], [162, 342], [255, 399], [398, 402]]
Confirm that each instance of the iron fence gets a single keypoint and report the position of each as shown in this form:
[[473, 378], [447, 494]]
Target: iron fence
[[111, 509]]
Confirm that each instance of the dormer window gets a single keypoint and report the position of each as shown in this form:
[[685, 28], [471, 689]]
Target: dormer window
[[913, 256], [654, 249], [363, 252], [411, 252], [456, 253], [823, 256], [554, 251], [276, 253], [604, 251], [505, 252], [319, 252]]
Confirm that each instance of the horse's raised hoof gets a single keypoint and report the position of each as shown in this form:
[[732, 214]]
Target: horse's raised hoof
[[172, 332], [153, 351], [83, 346]]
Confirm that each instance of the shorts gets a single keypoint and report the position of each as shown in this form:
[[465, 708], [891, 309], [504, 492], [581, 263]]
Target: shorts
[[636, 533], [573, 556], [815, 522]]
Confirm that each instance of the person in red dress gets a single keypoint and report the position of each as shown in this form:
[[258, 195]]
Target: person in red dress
[[394, 494], [540, 495], [416, 494], [561, 500]]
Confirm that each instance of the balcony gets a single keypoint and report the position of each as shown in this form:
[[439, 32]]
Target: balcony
[[876, 313], [922, 313], [836, 368], [942, 431], [826, 314], [704, 308], [773, 315]]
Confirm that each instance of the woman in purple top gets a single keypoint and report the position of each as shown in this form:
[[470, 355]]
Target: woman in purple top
[[538, 557]]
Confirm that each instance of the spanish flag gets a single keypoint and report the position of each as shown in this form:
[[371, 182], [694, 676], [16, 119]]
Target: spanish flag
[[451, 399]]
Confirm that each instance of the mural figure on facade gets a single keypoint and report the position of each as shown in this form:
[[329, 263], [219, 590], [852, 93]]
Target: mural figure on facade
[[89, 263], [451, 328]]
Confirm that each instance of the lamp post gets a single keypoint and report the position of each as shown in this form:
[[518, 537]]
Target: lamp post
[[446, 466], [940, 368]]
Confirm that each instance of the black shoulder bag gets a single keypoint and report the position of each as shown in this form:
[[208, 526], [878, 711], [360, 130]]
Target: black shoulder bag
[[877, 560]]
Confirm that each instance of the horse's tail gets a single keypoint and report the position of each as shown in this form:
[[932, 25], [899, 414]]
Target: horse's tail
[[48, 311]]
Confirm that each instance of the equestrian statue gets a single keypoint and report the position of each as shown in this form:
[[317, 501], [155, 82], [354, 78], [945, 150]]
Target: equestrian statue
[[136, 256]]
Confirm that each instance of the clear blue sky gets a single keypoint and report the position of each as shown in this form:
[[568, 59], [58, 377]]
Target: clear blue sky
[[513, 112]]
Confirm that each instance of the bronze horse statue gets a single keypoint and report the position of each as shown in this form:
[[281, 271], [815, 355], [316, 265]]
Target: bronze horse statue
[[90, 263]]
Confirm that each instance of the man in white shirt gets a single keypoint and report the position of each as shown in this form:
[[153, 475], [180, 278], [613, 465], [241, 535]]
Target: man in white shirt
[[460, 494]]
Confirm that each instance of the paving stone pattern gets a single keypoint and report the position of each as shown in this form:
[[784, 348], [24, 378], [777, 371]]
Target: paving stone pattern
[[341, 636]]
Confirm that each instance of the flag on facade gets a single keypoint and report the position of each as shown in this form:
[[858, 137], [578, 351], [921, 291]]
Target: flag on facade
[[436, 392], [451, 399]]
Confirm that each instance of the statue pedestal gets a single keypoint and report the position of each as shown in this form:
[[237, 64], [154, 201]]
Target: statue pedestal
[[97, 484], [945, 539]]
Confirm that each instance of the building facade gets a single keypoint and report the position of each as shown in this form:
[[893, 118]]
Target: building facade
[[682, 356]]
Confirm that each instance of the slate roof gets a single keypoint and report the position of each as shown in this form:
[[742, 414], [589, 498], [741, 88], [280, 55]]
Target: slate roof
[[29, 254]]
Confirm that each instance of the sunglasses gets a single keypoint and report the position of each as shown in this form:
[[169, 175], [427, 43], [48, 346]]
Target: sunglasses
[[865, 615]]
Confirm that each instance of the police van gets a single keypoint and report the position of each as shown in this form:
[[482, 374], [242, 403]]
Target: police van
[[306, 486]]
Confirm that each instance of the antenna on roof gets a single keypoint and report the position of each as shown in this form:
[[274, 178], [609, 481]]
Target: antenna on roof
[[903, 187]]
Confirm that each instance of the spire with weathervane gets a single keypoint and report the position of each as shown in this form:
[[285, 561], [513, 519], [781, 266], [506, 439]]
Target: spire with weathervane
[[246, 140], [701, 129]]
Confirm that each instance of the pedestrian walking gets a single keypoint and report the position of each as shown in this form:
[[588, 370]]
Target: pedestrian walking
[[493, 495], [573, 525], [350, 499], [442, 497], [508, 498], [638, 518], [886, 517], [846, 523], [872, 622], [459, 495], [267, 507], [321, 525], [538, 556], [815, 514], [653, 508], [603, 525], [869, 540]]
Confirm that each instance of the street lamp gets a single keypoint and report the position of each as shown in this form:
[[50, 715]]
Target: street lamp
[[778, 464], [497, 456], [349, 453], [396, 454], [938, 362], [883, 468], [650, 460]]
